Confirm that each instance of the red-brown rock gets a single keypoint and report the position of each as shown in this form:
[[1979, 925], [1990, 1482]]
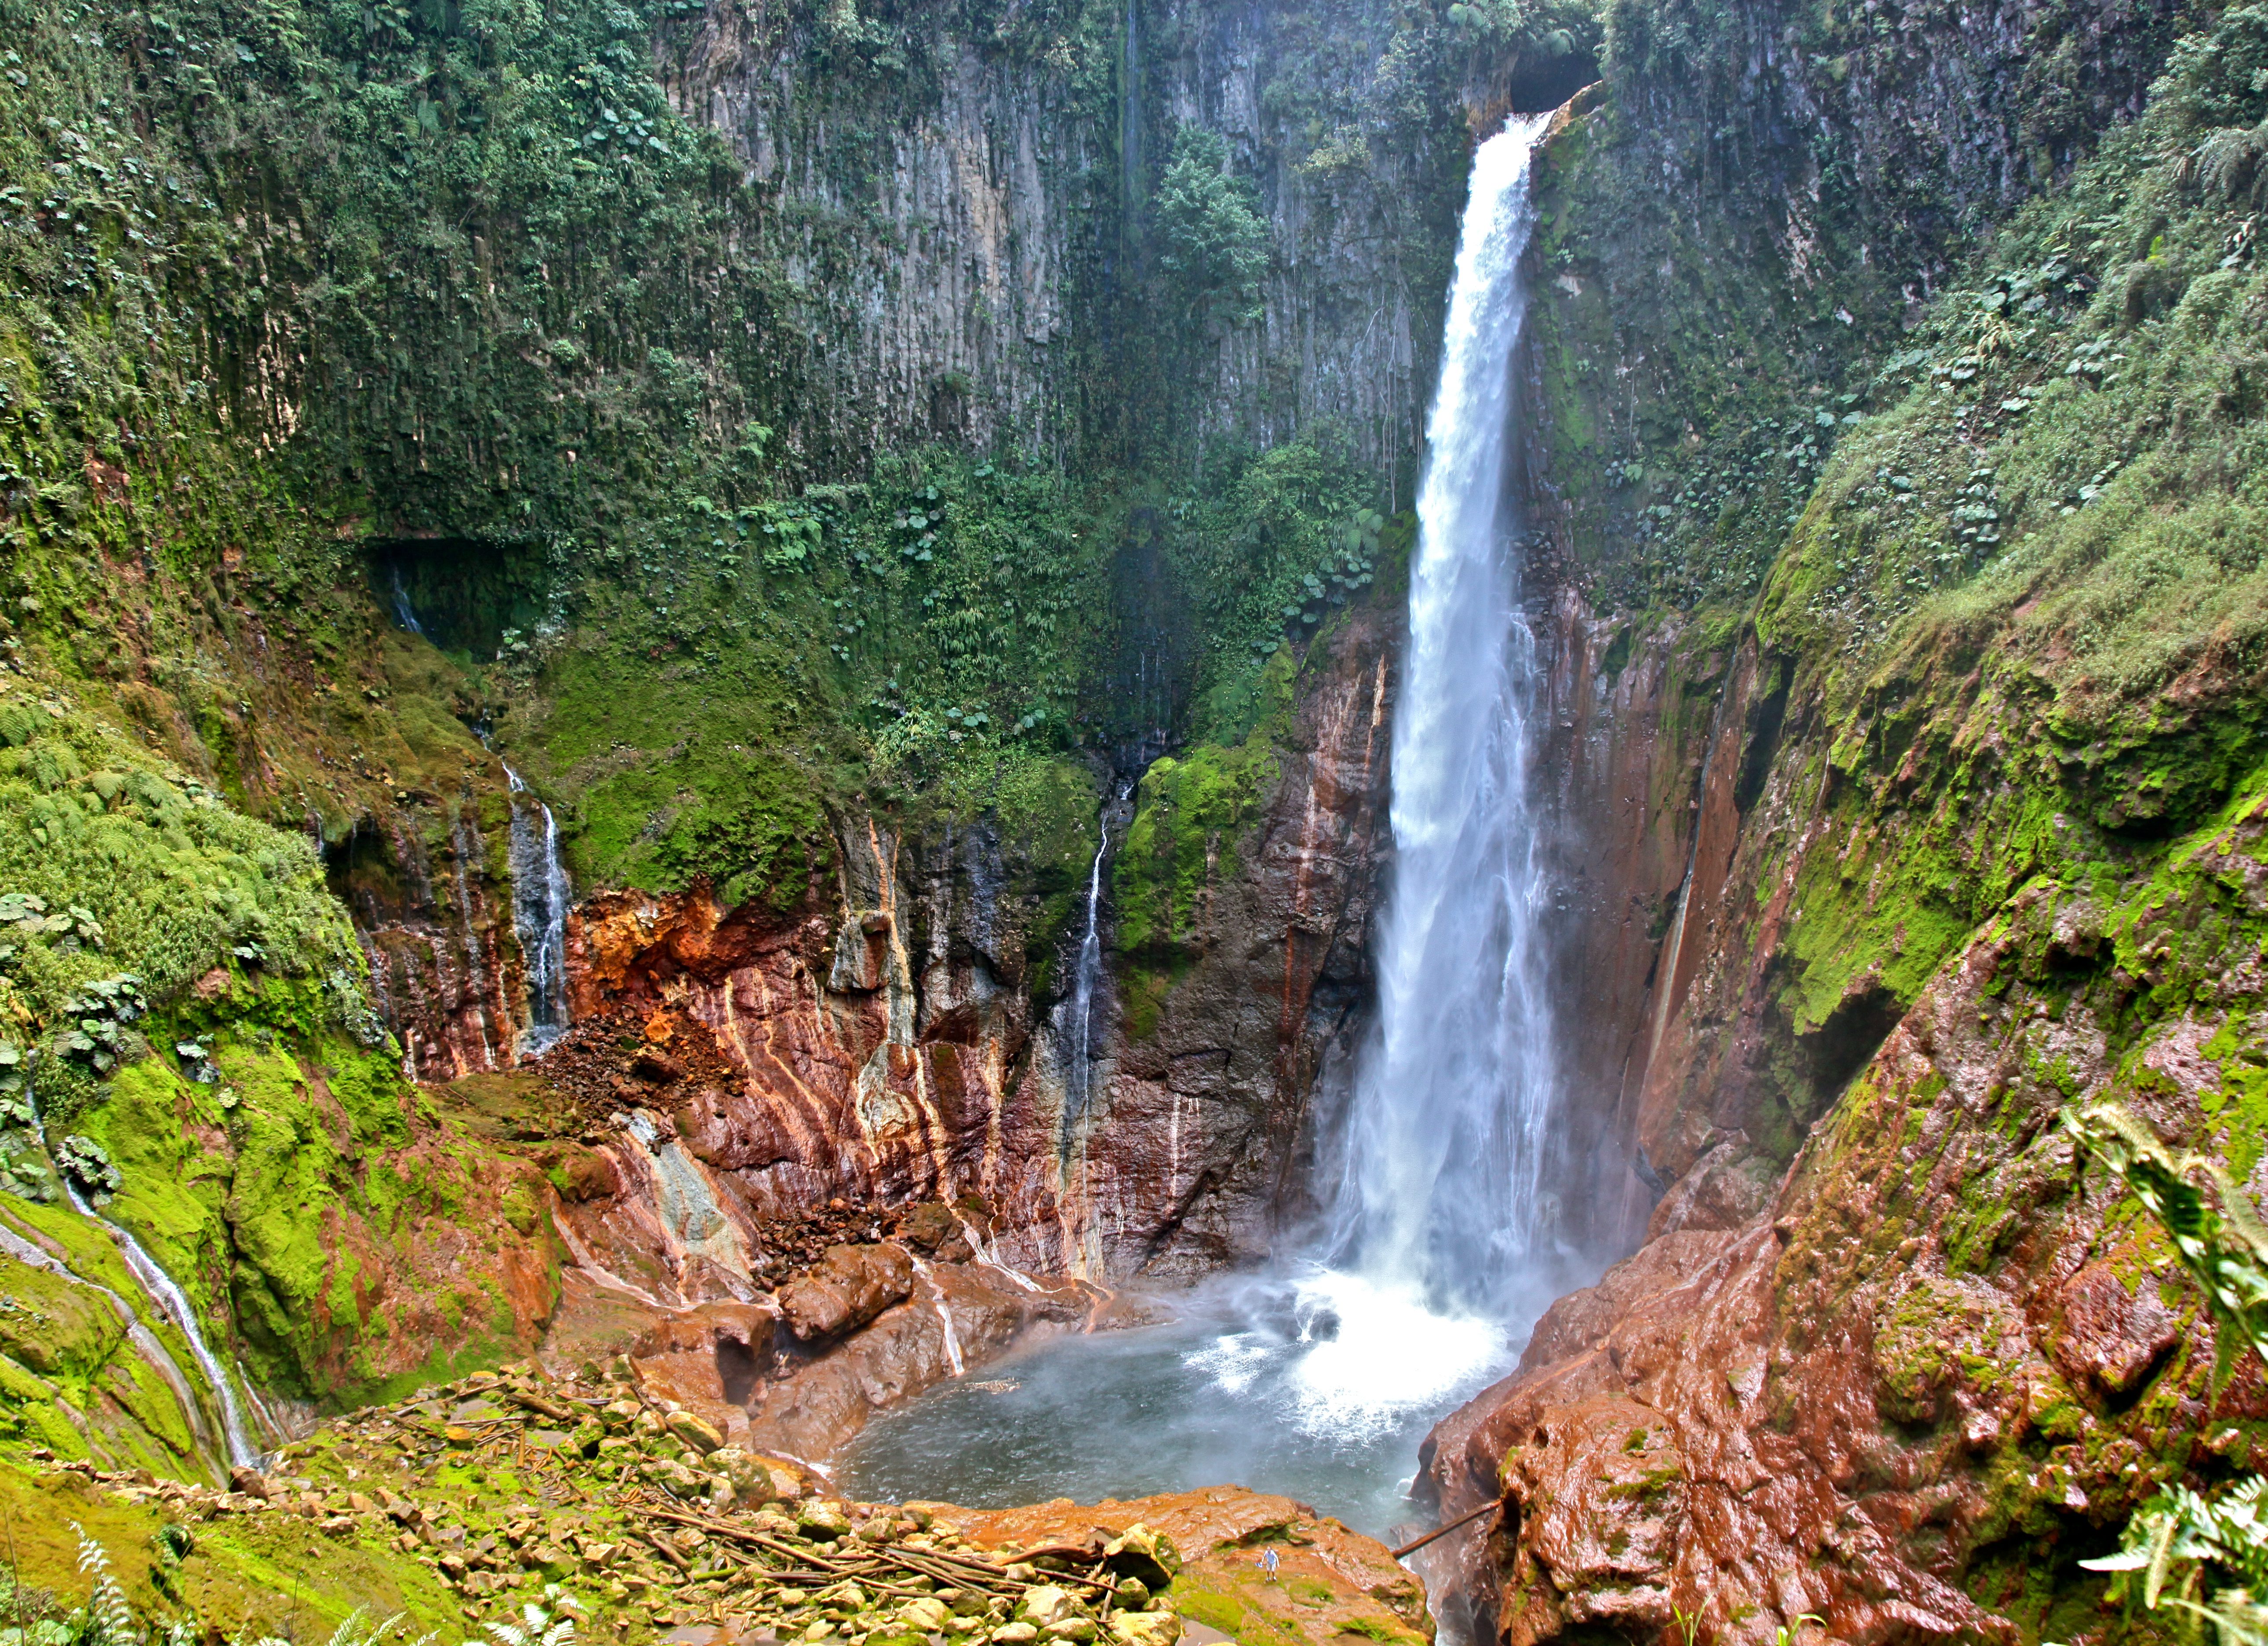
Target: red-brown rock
[[842, 1293]]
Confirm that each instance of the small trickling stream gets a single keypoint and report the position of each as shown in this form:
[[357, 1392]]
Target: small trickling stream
[[171, 1301], [174, 1304]]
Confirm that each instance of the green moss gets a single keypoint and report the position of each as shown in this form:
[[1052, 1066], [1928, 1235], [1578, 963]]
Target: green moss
[[1218, 1609], [1142, 991], [1190, 815], [1385, 1630]]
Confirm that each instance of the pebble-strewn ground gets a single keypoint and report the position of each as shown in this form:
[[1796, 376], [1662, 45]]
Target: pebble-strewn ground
[[590, 1495]]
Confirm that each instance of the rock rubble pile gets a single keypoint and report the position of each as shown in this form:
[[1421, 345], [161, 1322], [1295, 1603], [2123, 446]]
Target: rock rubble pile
[[634, 1514]]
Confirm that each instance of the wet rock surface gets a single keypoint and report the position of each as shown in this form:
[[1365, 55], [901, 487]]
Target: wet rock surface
[[733, 1071], [1908, 1395]]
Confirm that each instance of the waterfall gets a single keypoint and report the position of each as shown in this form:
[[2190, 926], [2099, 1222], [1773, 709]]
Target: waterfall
[[404, 613], [170, 1298], [1087, 979], [1449, 1178], [541, 896], [945, 1316], [145, 1342], [541, 892], [159, 1287]]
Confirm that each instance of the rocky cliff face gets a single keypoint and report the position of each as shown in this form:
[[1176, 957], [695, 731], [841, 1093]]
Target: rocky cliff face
[[1941, 1364], [1955, 835], [968, 201], [908, 1043]]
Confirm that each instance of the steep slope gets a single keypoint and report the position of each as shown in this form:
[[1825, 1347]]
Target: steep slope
[[1977, 772]]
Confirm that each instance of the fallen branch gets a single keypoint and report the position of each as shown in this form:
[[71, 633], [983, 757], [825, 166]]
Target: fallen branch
[[661, 1545], [1443, 1531]]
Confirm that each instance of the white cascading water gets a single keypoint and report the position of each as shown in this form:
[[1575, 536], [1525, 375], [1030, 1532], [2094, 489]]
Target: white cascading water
[[540, 892], [541, 897], [1086, 983], [1446, 1234], [1443, 1209], [172, 1302], [1448, 1189]]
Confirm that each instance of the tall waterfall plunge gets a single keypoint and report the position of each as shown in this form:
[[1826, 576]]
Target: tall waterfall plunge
[[1320, 1380], [1447, 1183]]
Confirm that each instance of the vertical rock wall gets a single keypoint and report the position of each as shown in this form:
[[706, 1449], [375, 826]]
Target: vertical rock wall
[[906, 1044], [974, 261]]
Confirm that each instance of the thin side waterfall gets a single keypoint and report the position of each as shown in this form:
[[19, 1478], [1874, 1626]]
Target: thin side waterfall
[[1087, 981], [541, 897], [404, 613], [171, 1299], [938, 1302], [1449, 1164], [174, 1304]]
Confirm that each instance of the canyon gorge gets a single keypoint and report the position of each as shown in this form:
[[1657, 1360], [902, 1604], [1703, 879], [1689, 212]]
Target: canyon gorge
[[1470, 738]]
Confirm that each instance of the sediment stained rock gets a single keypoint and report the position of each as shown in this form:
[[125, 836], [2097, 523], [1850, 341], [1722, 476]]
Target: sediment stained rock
[[891, 1050], [1912, 1392]]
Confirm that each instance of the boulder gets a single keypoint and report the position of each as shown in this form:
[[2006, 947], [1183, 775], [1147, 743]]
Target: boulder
[[1045, 1604], [845, 1290], [820, 1518], [934, 1230], [1140, 1553], [927, 1615], [696, 1431], [751, 1480]]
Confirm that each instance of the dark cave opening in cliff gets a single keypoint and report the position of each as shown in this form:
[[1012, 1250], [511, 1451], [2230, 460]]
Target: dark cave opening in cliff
[[739, 1371], [1547, 81], [469, 596]]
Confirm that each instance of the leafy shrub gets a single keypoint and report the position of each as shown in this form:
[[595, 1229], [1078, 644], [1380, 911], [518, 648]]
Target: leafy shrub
[[2204, 1556], [1213, 242], [2219, 76]]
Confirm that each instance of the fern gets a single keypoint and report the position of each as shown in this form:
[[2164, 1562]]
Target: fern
[[110, 1617], [2180, 1536], [350, 1633], [546, 1622]]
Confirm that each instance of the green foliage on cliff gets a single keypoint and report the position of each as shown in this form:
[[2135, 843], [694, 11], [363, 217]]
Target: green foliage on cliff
[[1213, 244], [1686, 418], [1191, 814], [2020, 619], [1273, 541], [176, 884]]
